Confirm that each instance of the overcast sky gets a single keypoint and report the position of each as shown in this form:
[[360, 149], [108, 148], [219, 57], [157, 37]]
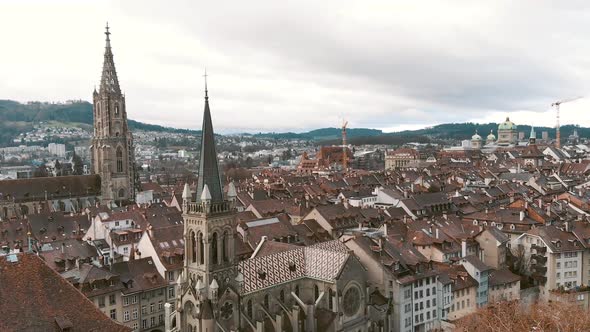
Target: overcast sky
[[298, 65]]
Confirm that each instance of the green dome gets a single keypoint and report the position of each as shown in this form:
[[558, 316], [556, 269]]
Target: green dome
[[507, 125], [491, 136]]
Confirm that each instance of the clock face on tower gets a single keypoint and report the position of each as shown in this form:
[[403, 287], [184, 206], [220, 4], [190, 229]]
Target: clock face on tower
[[352, 300]]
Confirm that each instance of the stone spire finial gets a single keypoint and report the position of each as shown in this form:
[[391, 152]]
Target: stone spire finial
[[107, 33], [109, 82], [206, 91]]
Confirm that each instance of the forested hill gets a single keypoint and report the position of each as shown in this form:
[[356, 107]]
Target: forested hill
[[16, 117], [323, 134]]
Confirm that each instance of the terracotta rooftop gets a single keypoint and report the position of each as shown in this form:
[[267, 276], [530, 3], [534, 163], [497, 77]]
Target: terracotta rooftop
[[36, 298]]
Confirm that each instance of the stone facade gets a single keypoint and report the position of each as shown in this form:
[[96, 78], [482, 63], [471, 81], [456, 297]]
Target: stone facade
[[112, 142]]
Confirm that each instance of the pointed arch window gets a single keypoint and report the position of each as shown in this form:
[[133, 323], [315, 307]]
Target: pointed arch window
[[214, 256], [194, 247], [119, 160], [249, 308], [316, 292], [201, 249], [117, 109], [331, 299], [225, 248]]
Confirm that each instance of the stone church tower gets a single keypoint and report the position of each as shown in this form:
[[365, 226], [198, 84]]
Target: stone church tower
[[207, 289], [112, 143]]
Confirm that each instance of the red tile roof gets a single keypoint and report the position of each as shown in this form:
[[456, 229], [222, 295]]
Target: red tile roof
[[36, 298]]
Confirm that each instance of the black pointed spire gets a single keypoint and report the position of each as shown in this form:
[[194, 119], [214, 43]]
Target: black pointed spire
[[208, 168], [109, 82]]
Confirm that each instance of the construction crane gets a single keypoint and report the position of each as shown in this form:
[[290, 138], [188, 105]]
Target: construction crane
[[556, 105], [344, 154]]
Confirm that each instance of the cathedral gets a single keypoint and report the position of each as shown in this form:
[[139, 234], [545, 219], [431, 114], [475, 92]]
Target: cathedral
[[112, 143], [284, 287]]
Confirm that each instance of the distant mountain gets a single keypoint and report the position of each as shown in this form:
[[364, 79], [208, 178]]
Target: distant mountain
[[16, 117], [455, 132], [323, 134]]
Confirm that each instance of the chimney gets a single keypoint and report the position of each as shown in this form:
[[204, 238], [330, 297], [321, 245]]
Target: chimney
[[549, 210], [463, 248], [567, 226], [526, 205], [385, 229], [63, 248], [540, 203], [412, 187], [445, 217], [521, 217], [436, 232]]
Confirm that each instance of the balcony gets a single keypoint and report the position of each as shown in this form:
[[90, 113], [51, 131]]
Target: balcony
[[538, 259], [539, 280], [538, 270], [539, 249]]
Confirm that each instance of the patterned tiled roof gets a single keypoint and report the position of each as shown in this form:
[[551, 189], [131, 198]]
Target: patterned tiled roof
[[322, 261]]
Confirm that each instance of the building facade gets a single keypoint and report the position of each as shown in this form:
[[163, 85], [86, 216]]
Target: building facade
[[507, 133], [112, 142]]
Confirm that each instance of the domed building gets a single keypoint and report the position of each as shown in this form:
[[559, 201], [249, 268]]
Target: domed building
[[491, 139], [476, 141], [507, 134]]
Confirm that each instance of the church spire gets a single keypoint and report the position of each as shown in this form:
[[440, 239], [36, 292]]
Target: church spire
[[109, 83], [208, 169], [533, 136]]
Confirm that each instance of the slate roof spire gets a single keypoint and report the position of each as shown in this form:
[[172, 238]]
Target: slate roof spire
[[109, 83], [208, 168]]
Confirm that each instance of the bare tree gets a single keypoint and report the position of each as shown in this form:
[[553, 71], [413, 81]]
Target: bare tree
[[515, 317]]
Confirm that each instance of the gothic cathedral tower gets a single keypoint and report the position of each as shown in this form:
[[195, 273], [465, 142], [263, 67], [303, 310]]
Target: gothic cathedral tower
[[207, 288], [112, 143]]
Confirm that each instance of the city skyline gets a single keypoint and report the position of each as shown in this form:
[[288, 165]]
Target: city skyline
[[379, 66]]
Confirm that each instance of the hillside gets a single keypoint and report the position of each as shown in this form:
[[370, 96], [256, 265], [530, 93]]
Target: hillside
[[323, 134], [16, 118]]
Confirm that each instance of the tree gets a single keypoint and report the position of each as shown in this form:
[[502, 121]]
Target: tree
[[77, 165], [58, 168], [41, 172], [516, 317]]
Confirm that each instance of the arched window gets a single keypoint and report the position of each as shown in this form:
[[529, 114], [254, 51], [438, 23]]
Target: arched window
[[316, 292], [119, 160], [121, 193], [225, 248], [331, 299], [116, 109], [194, 247], [266, 301], [214, 256], [297, 290], [282, 296], [25, 209], [249, 308], [201, 249]]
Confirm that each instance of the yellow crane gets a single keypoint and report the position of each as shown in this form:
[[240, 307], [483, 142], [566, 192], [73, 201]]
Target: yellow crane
[[344, 154], [556, 105]]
